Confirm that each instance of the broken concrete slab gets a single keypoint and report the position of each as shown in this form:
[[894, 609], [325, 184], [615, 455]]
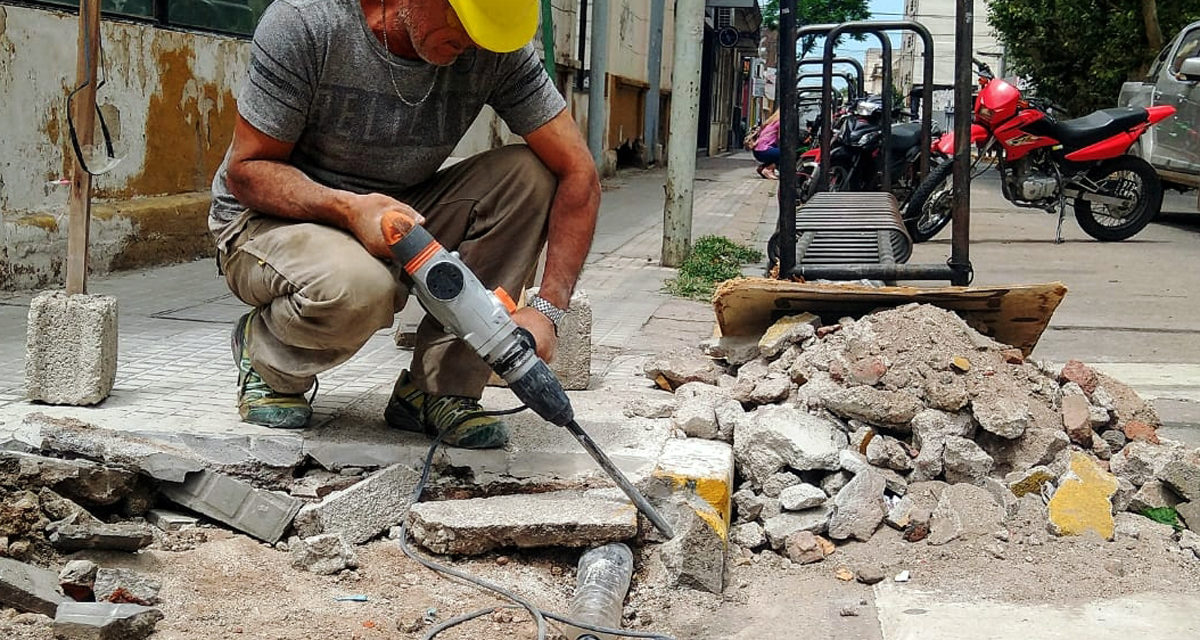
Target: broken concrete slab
[[675, 368], [1141, 462], [126, 536], [695, 557], [695, 409], [126, 585], [363, 510], [70, 348], [891, 409], [81, 480], [68, 436], [1037, 446], [323, 554], [778, 528], [104, 621], [787, 331], [734, 350], [781, 436], [1002, 414], [859, 507], [1082, 502], [262, 514], [964, 511], [168, 520], [558, 518], [77, 579], [25, 587], [1152, 495], [1182, 474], [651, 404], [771, 390]]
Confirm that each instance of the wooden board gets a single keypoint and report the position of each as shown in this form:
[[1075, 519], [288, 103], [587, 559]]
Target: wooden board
[[1015, 314]]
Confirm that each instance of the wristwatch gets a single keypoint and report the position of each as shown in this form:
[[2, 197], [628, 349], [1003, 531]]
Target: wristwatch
[[545, 308]]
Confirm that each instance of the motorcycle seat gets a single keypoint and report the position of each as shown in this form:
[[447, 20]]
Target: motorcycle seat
[[905, 136], [1096, 126]]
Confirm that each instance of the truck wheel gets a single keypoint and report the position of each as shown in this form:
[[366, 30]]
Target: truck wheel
[[1122, 177]]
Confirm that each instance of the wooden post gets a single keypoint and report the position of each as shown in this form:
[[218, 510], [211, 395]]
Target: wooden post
[[85, 125]]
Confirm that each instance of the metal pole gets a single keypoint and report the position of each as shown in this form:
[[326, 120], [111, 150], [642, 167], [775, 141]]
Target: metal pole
[[80, 199], [862, 91], [789, 137], [654, 78], [598, 75], [685, 122], [960, 261], [548, 39]]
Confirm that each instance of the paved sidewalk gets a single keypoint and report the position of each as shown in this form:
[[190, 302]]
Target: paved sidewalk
[[175, 378]]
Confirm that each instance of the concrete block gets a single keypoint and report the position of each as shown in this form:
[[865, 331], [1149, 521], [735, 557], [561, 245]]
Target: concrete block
[[71, 348], [262, 514], [325, 554], [704, 468], [695, 557], [573, 359], [104, 621], [554, 519], [78, 579], [364, 510], [115, 537], [73, 438], [25, 587], [170, 520]]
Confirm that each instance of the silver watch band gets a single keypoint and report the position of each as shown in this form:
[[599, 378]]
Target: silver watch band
[[545, 308]]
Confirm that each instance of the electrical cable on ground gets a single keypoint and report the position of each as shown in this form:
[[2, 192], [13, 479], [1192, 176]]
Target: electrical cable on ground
[[538, 615]]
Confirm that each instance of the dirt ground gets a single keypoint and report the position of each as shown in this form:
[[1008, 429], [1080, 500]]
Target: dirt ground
[[229, 586]]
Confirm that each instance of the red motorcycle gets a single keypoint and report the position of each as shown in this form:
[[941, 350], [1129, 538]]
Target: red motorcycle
[[1044, 163]]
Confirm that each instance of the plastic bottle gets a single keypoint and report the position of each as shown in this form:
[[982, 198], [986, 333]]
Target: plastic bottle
[[602, 582]]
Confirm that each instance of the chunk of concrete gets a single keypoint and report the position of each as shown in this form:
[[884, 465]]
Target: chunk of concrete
[[1189, 512], [965, 461], [159, 460], [787, 331], [78, 579], [695, 409], [1141, 462], [104, 621], [695, 557], [1182, 474], [168, 520], [965, 511], [702, 468], [748, 535], [888, 452], [805, 547], [554, 519], [774, 486], [364, 510], [1004, 415], [771, 390], [778, 528], [781, 436], [859, 507], [1077, 421], [1152, 495], [323, 554], [674, 369], [262, 514], [70, 348], [734, 350], [126, 536], [25, 587], [1022, 483], [1082, 502], [81, 480], [801, 496], [573, 357], [126, 585], [892, 409]]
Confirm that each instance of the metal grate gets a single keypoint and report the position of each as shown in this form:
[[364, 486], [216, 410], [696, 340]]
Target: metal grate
[[851, 228]]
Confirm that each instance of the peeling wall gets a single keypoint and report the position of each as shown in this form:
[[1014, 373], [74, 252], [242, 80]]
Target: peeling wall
[[168, 99]]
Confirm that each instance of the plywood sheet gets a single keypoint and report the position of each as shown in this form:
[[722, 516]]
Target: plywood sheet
[[1014, 314]]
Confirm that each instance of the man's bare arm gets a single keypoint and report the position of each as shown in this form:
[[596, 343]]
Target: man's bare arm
[[559, 145], [261, 177]]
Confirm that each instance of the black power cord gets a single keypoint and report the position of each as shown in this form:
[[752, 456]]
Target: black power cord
[[538, 615]]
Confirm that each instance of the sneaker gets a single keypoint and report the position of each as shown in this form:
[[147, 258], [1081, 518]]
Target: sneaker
[[258, 403], [464, 421]]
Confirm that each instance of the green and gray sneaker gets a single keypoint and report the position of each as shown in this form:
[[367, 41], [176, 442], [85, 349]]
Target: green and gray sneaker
[[464, 421], [258, 403]]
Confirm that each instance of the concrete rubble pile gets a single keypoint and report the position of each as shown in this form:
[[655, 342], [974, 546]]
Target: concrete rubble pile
[[909, 418]]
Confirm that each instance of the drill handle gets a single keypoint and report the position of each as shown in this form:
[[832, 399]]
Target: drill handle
[[411, 244]]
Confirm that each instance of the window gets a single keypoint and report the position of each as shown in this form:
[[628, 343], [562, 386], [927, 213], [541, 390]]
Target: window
[[1189, 48], [224, 16]]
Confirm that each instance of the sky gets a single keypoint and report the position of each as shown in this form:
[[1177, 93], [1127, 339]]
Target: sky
[[880, 10]]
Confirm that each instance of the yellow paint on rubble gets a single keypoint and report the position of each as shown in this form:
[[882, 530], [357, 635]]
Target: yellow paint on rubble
[[783, 326], [1031, 484], [1082, 502], [714, 491]]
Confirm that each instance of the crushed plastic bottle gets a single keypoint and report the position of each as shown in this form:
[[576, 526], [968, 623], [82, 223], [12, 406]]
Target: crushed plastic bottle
[[602, 582]]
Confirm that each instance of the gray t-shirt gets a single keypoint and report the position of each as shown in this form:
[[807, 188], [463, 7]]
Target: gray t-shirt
[[321, 80]]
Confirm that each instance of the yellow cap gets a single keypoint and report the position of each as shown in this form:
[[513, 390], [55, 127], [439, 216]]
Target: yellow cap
[[498, 25]]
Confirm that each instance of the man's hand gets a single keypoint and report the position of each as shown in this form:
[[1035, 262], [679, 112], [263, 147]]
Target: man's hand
[[365, 220], [542, 329]]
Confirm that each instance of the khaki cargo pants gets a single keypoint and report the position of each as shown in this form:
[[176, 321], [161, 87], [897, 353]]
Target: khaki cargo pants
[[321, 295]]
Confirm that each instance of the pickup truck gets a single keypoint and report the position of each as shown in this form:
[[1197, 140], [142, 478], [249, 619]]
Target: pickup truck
[[1173, 146]]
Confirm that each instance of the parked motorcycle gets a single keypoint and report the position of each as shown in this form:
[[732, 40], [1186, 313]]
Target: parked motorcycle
[[1045, 164], [856, 155]]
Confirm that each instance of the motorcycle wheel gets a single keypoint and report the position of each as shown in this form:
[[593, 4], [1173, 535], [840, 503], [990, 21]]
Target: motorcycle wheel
[[932, 204], [1123, 177]]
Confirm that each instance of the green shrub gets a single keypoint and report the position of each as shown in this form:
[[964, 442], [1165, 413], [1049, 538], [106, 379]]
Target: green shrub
[[713, 259]]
